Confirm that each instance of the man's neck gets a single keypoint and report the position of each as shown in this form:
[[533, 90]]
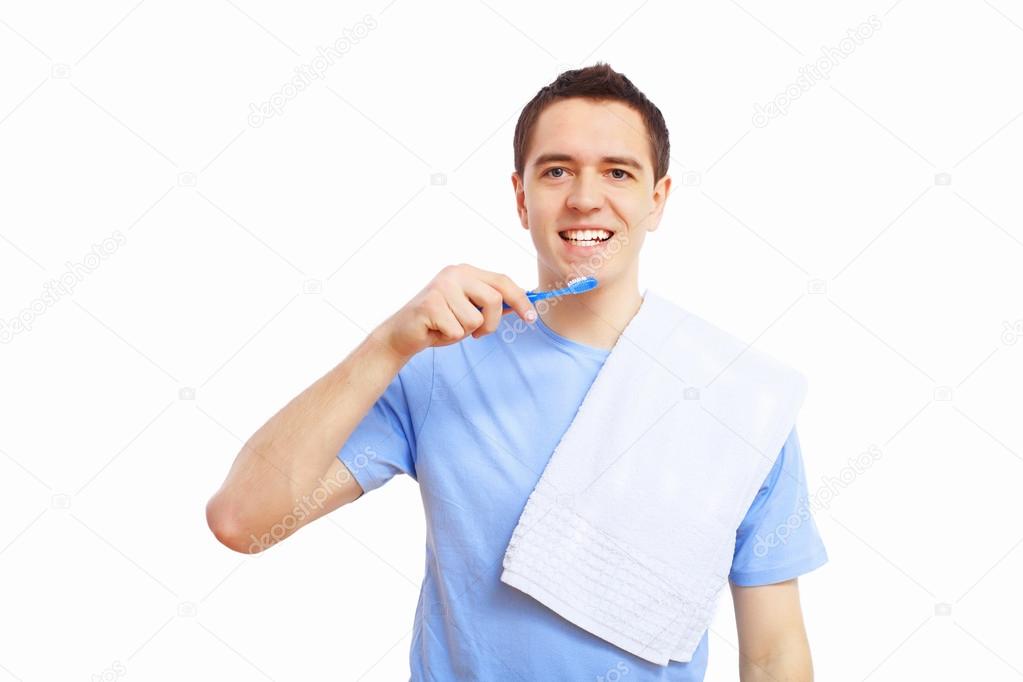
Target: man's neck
[[595, 318]]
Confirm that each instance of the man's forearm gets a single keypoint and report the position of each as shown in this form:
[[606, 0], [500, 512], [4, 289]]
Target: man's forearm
[[286, 458]]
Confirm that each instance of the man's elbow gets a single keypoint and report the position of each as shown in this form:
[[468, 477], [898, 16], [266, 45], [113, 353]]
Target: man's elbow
[[791, 664], [224, 524]]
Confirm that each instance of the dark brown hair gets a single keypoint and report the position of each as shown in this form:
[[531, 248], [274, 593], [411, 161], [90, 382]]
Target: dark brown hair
[[598, 82]]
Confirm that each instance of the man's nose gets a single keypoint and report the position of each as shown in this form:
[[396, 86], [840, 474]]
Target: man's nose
[[586, 193]]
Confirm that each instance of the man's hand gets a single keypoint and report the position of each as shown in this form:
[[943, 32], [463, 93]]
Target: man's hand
[[773, 646], [460, 300]]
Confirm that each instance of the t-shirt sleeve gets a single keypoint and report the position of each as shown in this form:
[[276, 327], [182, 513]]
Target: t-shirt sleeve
[[383, 444], [778, 539]]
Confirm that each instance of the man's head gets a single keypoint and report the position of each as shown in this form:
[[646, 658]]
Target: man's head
[[590, 150]]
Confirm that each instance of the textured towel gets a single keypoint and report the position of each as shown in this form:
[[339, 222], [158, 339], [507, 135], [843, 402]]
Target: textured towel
[[630, 531]]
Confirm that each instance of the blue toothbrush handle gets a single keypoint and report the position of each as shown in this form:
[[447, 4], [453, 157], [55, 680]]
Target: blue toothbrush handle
[[576, 286], [531, 295]]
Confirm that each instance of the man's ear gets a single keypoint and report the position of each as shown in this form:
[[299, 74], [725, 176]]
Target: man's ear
[[520, 199], [661, 191]]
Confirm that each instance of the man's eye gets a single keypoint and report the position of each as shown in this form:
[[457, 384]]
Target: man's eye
[[558, 172]]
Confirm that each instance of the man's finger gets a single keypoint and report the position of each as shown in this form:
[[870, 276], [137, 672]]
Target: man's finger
[[513, 294]]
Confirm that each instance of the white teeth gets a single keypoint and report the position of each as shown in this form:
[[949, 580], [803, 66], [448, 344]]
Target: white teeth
[[586, 235]]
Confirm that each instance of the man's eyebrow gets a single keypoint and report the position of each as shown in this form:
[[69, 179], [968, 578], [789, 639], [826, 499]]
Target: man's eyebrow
[[617, 160]]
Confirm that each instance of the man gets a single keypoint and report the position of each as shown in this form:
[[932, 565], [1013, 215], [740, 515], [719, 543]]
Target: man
[[475, 420]]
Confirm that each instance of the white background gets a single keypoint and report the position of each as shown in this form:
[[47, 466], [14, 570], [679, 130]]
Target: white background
[[871, 237]]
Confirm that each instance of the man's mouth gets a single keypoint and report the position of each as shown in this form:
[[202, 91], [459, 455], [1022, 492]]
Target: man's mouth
[[588, 237]]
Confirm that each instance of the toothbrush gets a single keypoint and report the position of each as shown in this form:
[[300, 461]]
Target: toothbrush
[[576, 285]]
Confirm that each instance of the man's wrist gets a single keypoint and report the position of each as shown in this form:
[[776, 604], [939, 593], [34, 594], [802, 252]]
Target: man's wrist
[[378, 342]]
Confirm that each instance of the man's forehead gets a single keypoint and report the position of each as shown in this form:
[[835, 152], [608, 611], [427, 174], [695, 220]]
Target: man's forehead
[[600, 108], [588, 130]]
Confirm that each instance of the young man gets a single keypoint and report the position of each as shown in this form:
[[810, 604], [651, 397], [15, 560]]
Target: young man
[[471, 404]]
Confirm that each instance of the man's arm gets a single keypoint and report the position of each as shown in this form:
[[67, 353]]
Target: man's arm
[[294, 455], [773, 646]]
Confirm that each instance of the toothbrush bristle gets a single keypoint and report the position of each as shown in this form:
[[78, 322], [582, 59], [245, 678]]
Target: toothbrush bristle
[[580, 284]]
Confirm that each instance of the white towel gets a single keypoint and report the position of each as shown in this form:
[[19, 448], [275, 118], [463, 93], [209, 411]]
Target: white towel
[[630, 531]]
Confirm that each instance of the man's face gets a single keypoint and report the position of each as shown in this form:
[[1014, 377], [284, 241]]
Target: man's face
[[589, 165]]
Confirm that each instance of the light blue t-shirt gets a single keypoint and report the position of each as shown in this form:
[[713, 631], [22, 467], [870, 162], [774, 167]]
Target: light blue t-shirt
[[474, 423]]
